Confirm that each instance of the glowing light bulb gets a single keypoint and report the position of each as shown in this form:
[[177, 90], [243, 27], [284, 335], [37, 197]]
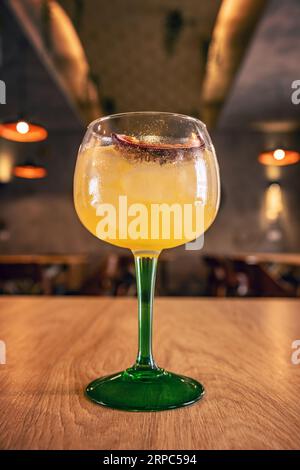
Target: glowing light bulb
[[279, 154], [22, 127]]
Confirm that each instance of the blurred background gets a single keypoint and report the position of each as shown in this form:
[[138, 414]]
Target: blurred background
[[235, 64]]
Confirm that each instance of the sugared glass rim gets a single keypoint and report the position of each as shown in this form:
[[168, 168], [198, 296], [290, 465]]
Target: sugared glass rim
[[133, 113]]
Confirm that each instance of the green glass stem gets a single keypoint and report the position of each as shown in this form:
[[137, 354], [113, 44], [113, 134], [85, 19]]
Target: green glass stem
[[145, 386], [145, 275]]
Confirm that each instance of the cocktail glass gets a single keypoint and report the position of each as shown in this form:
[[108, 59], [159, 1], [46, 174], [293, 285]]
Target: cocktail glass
[[146, 181]]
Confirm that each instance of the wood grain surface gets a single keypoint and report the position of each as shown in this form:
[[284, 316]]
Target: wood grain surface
[[240, 349]]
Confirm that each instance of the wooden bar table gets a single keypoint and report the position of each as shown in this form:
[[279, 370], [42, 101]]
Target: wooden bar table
[[240, 349]]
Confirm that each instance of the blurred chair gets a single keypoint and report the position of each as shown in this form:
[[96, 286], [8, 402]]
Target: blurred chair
[[41, 274], [247, 278]]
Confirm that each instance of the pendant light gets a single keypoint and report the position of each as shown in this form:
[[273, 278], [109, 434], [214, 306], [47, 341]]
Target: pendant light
[[30, 170], [32, 167], [23, 131], [279, 157], [20, 128]]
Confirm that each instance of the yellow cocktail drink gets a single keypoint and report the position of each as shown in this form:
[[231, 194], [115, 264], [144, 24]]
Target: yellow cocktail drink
[[145, 201]]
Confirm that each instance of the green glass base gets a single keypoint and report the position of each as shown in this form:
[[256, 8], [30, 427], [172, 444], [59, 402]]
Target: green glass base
[[139, 389]]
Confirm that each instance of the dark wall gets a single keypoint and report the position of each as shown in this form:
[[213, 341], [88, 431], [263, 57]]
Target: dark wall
[[38, 216]]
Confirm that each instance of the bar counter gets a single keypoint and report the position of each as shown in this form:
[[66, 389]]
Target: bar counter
[[241, 350]]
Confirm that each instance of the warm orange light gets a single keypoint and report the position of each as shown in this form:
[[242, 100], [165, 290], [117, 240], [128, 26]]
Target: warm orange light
[[279, 157], [6, 166], [30, 171], [22, 131], [22, 127], [274, 204], [279, 154]]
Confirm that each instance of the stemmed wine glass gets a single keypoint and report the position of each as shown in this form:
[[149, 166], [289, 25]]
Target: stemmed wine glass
[[146, 181]]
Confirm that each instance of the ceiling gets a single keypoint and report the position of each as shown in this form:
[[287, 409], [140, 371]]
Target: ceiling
[[261, 95], [148, 55], [152, 55]]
